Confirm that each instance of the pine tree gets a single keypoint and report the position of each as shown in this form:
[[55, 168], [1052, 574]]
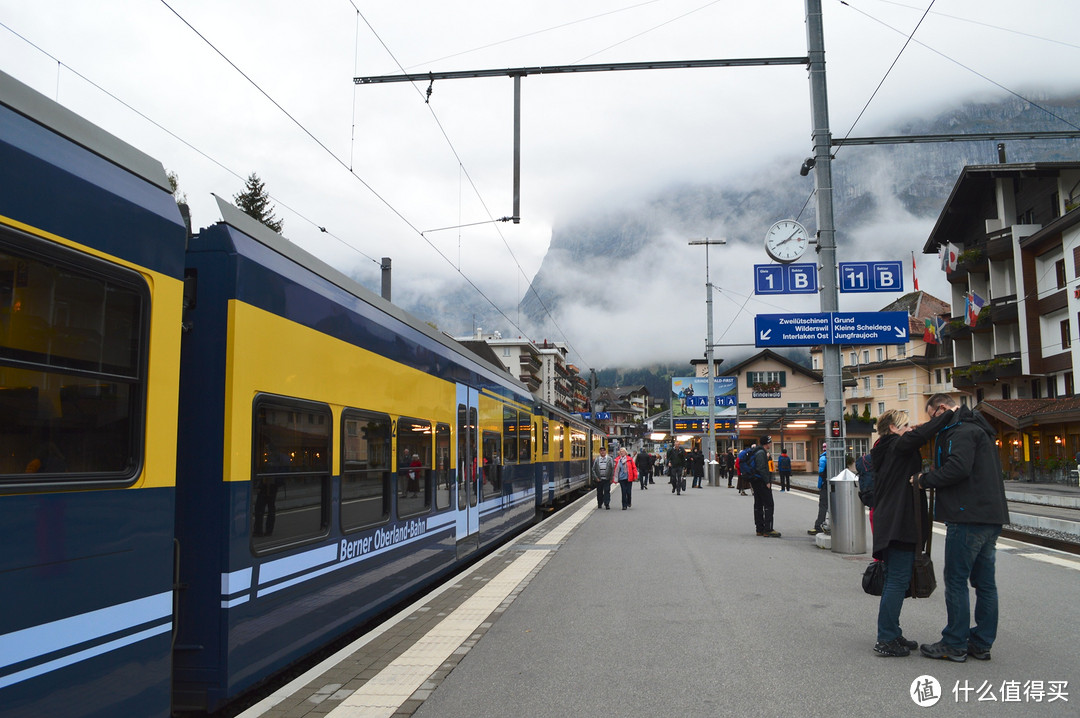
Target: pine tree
[[255, 202]]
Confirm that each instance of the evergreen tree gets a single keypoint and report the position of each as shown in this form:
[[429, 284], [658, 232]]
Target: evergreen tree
[[255, 203]]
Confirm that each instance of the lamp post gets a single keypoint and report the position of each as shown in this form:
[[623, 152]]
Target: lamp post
[[709, 353]]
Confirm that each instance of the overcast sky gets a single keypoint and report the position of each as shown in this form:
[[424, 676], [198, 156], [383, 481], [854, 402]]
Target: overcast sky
[[376, 166]]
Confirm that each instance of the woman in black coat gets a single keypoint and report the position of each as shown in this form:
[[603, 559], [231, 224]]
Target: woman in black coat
[[896, 459]]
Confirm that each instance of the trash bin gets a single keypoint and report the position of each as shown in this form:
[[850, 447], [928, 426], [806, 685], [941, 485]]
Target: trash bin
[[711, 472], [848, 516]]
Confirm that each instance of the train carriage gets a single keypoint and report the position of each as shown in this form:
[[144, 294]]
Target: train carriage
[[91, 269]]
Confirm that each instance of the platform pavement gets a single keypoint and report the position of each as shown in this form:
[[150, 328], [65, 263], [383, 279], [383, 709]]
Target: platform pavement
[[677, 608]]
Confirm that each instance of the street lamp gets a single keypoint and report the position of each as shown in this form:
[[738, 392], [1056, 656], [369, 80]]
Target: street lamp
[[709, 351]]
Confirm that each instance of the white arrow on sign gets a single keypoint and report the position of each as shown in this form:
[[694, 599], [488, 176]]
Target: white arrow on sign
[[766, 334], [900, 333]]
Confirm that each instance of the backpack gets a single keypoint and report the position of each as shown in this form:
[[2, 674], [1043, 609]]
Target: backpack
[[746, 463], [864, 469]]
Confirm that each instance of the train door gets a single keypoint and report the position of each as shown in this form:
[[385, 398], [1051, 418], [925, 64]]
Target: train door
[[469, 467]]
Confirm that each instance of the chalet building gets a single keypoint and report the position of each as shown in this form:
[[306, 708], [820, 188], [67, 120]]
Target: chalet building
[[1009, 237]]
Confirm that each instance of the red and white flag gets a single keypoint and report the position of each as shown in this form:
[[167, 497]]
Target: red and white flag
[[914, 277]]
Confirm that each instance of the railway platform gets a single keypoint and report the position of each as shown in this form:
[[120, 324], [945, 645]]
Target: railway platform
[[676, 607]]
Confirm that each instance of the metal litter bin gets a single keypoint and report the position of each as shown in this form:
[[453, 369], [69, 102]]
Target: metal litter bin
[[711, 471], [848, 516]]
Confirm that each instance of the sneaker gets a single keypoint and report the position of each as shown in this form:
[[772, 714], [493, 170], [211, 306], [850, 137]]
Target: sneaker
[[760, 533], [814, 532], [911, 645], [940, 650], [893, 649], [772, 534], [979, 654]]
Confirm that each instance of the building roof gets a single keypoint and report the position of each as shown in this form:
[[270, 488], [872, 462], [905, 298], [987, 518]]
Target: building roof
[[975, 183], [1023, 413]]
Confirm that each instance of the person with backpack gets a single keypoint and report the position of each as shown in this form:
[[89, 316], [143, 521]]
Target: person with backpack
[[783, 467], [743, 466], [761, 484], [676, 459], [823, 493]]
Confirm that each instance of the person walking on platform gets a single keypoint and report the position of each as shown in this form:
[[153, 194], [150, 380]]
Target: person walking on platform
[[823, 493], [643, 461], [761, 485], [896, 460], [625, 473], [603, 469], [783, 467], [697, 466], [676, 460], [971, 502], [729, 466]]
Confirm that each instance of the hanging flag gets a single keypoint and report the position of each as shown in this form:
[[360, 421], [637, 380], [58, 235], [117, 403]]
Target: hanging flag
[[973, 304], [914, 277], [930, 334], [952, 256], [942, 254]]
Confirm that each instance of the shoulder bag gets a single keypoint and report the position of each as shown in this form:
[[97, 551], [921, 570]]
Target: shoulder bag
[[923, 581]]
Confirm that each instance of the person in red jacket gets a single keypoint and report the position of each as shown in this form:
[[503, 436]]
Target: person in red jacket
[[625, 473]]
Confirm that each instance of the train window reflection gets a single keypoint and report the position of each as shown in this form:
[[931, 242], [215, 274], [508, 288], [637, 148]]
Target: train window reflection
[[73, 332], [442, 466], [415, 444], [291, 477], [365, 471]]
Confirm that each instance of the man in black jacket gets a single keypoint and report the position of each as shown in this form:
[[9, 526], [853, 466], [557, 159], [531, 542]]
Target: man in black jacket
[[761, 485], [971, 502]]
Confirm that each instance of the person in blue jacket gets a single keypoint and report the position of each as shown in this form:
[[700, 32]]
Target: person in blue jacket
[[823, 493], [783, 467]]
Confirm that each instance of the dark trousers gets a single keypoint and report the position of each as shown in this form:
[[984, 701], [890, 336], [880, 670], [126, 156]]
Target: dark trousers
[[785, 481], [823, 505], [603, 493], [763, 506], [675, 472], [625, 486]]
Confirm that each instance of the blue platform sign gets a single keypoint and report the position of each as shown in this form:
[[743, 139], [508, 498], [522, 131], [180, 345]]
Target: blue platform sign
[[785, 278], [794, 330], [871, 276]]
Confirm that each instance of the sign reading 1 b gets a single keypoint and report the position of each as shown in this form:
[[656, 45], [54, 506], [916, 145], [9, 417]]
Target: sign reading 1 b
[[785, 278], [871, 276]]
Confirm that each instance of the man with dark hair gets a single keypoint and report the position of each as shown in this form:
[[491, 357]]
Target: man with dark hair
[[971, 502], [761, 485], [676, 458]]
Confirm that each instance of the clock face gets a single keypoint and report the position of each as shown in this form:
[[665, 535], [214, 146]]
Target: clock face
[[786, 241]]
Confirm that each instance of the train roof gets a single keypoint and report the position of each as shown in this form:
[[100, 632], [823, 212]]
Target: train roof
[[48, 113], [237, 219]]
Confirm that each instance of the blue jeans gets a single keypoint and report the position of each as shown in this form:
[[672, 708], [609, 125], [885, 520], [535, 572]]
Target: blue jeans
[[625, 486], [898, 565], [970, 555]]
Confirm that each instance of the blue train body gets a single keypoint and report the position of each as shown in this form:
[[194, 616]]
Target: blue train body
[[218, 453]]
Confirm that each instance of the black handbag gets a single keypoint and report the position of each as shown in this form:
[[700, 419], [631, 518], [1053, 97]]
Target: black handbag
[[923, 581], [873, 578]]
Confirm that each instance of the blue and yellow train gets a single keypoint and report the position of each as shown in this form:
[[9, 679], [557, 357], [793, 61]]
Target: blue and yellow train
[[217, 453]]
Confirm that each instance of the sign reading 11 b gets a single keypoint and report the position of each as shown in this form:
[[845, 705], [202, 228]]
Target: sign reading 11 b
[[871, 276]]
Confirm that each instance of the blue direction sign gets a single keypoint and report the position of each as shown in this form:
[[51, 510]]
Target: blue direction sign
[[785, 278], [792, 330], [871, 276]]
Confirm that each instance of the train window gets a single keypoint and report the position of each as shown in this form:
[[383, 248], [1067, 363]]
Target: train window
[[365, 469], [415, 446], [546, 442], [525, 430], [73, 337], [510, 433], [290, 492], [442, 466], [492, 464]]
